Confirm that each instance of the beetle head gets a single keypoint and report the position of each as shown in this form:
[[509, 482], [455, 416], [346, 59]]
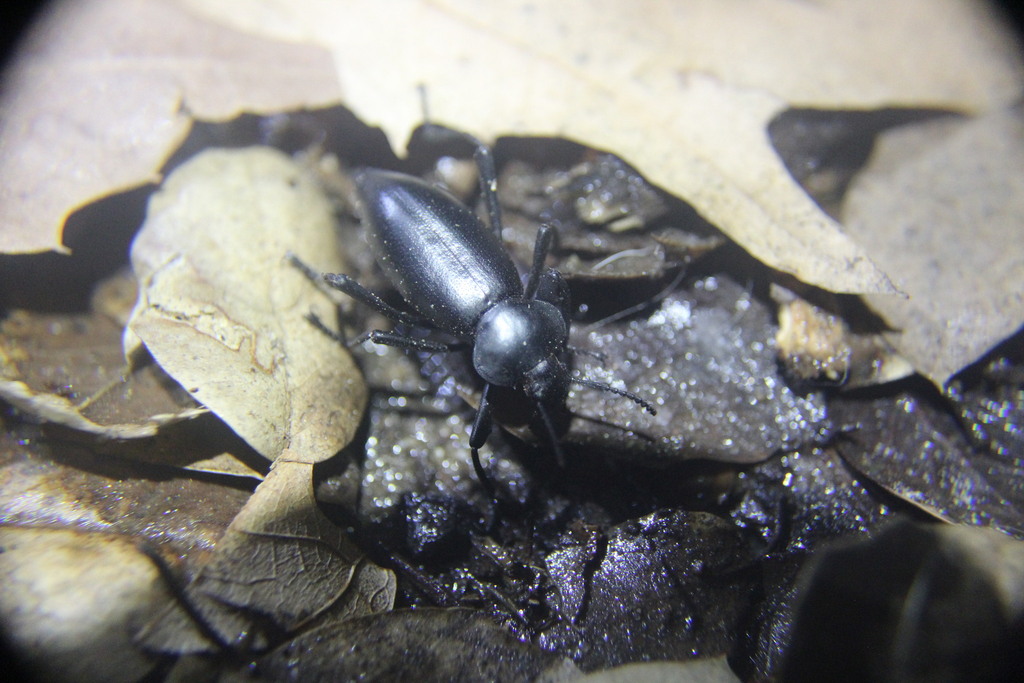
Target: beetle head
[[519, 343]]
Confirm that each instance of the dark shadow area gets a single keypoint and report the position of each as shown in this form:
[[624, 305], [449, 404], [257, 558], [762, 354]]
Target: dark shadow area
[[98, 236], [824, 149]]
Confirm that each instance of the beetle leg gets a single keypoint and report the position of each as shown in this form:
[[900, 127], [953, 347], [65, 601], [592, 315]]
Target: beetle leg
[[541, 247], [319, 324], [485, 167], [488, 183], [402, 341], [343, 283], [478, 437]]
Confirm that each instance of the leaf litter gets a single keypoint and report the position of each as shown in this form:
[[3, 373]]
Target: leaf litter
[[512, 580], [524, 588]]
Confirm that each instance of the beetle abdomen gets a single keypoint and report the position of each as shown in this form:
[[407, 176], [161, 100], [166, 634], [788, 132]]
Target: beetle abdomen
[[443, 260]]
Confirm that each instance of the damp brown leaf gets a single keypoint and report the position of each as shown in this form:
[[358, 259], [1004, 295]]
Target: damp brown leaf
[[279, 559]]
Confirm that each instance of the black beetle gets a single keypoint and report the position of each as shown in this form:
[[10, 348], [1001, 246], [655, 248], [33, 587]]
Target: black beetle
[[458, 279]]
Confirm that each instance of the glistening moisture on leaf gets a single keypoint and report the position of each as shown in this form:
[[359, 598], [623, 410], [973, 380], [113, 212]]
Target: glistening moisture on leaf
[[919, 452], [721, 397], [223, 312], [617, 597]]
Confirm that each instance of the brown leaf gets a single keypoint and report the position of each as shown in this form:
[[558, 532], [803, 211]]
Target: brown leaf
[[625, 587], [103, 92], [707, 359], [919, 453], [53, 484], [280, 559], [427, 644], [223, 312], [70, 370]]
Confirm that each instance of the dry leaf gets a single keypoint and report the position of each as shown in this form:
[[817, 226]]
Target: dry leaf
[[69, 602], [69, 370], [682, 91], [941, 209], [222, 311], [280, 559], [103, 92]]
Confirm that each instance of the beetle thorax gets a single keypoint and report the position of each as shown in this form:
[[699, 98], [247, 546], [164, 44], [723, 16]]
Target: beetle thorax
[[516, 338]]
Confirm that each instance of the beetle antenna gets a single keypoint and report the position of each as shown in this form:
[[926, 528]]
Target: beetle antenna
[[594, 384]]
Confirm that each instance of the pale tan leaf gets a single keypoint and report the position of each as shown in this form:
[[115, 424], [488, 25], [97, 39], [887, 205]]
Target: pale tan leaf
[[57, 409], [103, 91], [69, 602], [940, 209], [683, 91], [223, 312], [710, 670]]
